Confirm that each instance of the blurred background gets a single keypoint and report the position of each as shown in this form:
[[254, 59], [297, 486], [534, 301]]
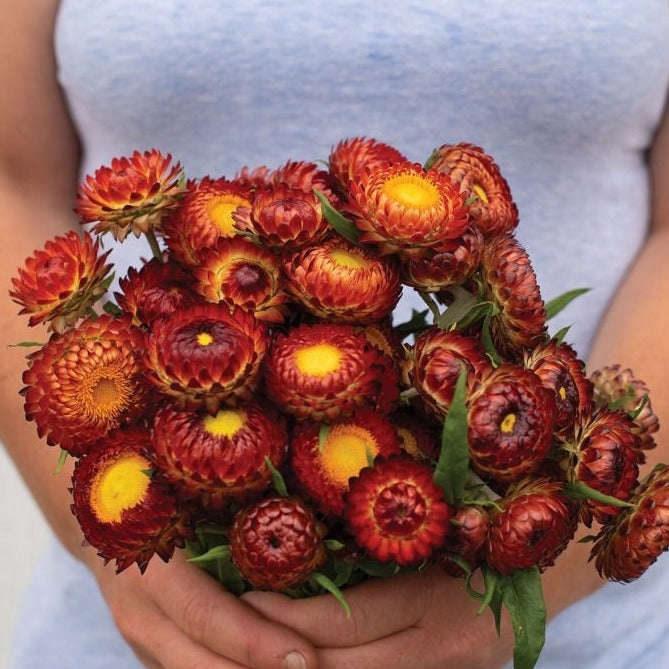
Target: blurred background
[[25, 536]]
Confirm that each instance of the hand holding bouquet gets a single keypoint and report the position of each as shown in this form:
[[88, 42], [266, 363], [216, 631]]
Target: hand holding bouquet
[[248, 395]]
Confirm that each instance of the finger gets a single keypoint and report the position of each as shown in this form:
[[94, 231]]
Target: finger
[[379, 607], [226, 626]]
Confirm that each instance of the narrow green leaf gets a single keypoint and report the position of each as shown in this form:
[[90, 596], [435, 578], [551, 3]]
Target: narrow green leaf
[[62, 458], [488, 343], [342, 572], [26, 344], [557, 304], [491, 583], [587, 539], [578, 490], [104, 285], [430, 159], [452, 466], [148, 472], [323, 432], [328, 585], [277, 479], [559, 336], [369, 453], [215, 553], [340, 223], [463, 302], [523, 597], [375, 568], [634, 414], [112, 309]]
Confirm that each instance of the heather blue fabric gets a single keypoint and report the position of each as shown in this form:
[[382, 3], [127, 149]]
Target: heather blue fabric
[[565, 96]]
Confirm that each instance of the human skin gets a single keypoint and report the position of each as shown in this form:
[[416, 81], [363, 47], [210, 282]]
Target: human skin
[[175, 616]]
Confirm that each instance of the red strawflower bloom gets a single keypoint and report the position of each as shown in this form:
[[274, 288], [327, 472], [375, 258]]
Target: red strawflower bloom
[[511, 419], [467, 539], [124, 512], [324, 458], [219, 458], [206, 355], [404, 209], [205, 215], [242, 274], [132, 195], [605, 455], [439, 270], [626, 547], [351, 156], [490, 204], [536, 523], [284, 218], [561, 371], [85, 383], [61, 282], [437, 359], [277, 543], [155, 291], [322, 371], [510, 283], [338, 281], [396, 512]]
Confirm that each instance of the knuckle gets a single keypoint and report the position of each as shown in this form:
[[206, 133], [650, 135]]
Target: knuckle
[[197, 617]]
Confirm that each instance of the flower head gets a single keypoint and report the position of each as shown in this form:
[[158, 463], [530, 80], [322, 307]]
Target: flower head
[[130, 196], [85, 383], [490, 204], [242, 274], [206, 355], [219, 458], [124, 512], [324, 457], [59, 283], [396, 511], [402, 208], [338, 281]]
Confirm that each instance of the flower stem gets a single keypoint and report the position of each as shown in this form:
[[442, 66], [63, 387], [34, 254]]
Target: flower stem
[[155, 246], [431, 304]]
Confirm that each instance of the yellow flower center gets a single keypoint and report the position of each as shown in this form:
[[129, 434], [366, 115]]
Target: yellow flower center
[[220, 209], [104, 393], [348, 260], [411, 190], [562, 393], [346, 450], [204, 339], [480, 193], [318, 360], [508, 423], [120, 486], [226, 423]]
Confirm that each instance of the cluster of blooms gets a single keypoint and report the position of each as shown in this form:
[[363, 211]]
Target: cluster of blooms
[[255, 354]]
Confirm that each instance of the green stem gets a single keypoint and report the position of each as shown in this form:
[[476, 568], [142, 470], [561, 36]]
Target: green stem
[[431, 304], [155, 247]]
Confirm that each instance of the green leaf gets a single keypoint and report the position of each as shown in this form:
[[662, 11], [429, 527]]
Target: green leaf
[[26, 344], [342, 572], [333, 544], [374, 568], [328, 585], [578, 490], [323, 432], [213, 554], [634, 414], [491, 583], [277, 479], [415, 325], [587, 539], [463, 302], [452, 466], [62, 458], [557, 304], [559, 336], [148, 472], [340, 223], [523, 597], [488, 343], [112, 309]]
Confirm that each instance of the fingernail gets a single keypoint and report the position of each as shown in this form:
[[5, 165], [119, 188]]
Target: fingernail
[[294, 660]]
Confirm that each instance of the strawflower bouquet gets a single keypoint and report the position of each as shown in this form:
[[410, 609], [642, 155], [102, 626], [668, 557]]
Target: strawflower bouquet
[[247, 395]]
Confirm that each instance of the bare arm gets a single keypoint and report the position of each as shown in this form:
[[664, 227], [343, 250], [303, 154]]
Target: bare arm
[[175, 616]]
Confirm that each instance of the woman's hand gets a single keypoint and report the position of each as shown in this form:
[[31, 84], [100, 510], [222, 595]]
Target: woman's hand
[[413, 620], [175, 616]]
